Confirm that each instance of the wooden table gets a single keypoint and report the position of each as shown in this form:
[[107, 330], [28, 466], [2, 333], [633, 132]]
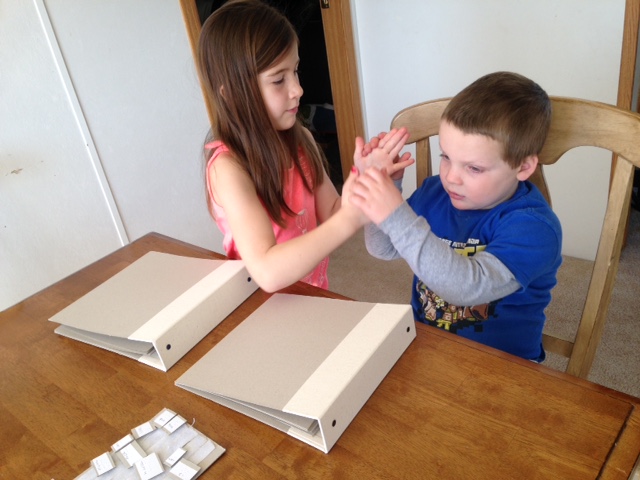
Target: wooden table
[[448, 409]]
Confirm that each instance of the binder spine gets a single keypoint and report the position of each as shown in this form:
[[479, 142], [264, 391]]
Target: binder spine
[[199, 310], [365, 356]]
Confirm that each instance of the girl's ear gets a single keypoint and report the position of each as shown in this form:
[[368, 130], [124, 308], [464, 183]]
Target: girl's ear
[[526, 169], [222, 91]]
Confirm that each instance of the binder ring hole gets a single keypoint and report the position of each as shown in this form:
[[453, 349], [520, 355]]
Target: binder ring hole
[[248, 279], [408, 329], [168, 346], [333, 424]]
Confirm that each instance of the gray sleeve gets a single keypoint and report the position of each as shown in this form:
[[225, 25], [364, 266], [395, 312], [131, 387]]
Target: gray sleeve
[[377, 242], [459, 280]]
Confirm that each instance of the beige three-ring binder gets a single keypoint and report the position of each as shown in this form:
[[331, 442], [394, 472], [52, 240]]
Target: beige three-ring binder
[[157, 308], [304, 365]]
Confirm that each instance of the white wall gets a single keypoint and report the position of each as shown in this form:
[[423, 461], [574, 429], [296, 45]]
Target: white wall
[[416, 50], [101, 127]]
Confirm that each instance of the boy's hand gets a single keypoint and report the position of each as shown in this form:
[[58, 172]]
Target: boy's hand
[[375, 194], [382, 152]]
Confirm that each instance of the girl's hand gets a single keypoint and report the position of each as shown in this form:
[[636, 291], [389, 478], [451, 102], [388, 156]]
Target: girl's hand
[[358, 217]]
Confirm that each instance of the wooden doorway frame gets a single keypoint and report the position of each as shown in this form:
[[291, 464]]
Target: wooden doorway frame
[[629, 54], [628, 66], [343, 70]]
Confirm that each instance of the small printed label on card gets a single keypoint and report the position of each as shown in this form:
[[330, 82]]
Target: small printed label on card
[[163, 417], [132, 453], [142, 430], [121, 443], [174, 457], [184, 470], [103, 463], [175, 423], [149, 467]]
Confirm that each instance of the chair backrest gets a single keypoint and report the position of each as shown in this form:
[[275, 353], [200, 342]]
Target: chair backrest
[[574, 123]]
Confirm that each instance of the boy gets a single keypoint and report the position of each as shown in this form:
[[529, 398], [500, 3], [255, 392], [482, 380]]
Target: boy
[[483, 243]]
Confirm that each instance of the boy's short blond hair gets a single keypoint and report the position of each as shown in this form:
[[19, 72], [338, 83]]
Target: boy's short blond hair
[[507, 107]]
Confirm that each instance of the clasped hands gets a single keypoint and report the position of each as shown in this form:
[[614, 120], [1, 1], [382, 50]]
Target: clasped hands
[[377, 163]]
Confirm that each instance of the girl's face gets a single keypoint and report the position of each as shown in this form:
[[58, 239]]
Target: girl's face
[[281, 90], [473, 172]]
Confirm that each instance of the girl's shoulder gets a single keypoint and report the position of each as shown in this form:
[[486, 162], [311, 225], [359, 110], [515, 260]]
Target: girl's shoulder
[[226, 164], [214, 149], [219, 153]]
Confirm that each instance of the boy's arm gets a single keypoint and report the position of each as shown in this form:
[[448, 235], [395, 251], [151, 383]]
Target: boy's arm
[[458, 280], [377, 242]]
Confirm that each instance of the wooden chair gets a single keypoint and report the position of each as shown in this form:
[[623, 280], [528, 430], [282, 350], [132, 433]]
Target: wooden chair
[[574, 123]]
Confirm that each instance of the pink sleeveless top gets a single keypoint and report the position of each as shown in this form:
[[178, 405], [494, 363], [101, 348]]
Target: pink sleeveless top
[[297, 197]]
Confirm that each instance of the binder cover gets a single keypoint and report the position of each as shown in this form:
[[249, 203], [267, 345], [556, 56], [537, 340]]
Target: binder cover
[[157, 308], [304, 365]]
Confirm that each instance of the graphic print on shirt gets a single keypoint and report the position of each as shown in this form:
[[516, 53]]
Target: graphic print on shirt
[[301, 202], [301, 212], [442, 314], [302, 220]]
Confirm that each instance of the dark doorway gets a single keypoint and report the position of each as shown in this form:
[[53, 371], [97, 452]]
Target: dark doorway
[[316, 105]]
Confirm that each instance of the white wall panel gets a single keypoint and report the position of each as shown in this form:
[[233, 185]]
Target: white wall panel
[[101, 127], [133, 70], [53, 217]]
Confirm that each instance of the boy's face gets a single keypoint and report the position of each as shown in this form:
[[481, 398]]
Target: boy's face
[[473, 172], [281, 90]]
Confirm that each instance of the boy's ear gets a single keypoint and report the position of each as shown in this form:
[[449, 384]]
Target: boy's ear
[[528, 166]]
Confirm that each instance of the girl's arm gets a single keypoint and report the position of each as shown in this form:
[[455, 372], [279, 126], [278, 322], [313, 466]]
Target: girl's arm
[[274, 266], [328, 200]]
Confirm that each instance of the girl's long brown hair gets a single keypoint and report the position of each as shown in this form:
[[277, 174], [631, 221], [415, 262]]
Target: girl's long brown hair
[[238, 41]]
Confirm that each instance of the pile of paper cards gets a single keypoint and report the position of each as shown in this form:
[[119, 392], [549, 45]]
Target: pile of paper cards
[[164, 447]]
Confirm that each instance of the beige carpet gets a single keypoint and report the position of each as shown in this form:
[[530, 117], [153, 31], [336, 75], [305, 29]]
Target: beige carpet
[[354, 273]]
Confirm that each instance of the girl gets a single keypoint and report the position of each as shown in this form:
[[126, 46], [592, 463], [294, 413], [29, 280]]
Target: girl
[[267, 186]]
